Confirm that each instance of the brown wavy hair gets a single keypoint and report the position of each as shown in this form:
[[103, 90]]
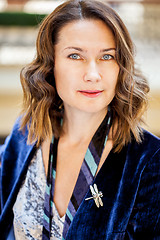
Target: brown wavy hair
[[41, 111]]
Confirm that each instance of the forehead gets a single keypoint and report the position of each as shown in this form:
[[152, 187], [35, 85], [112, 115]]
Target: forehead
[[88, 32]]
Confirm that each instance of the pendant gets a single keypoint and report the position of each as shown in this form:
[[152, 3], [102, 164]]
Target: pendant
[[96, 195]]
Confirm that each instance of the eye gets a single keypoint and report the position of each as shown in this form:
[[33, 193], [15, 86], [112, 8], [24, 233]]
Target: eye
[[74, 56], [107, 57]]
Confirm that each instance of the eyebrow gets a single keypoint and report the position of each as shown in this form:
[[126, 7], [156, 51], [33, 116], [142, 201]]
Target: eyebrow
[[81, 50], [108, 49]]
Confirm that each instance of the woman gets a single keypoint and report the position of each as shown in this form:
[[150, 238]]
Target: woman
[[77, 164]]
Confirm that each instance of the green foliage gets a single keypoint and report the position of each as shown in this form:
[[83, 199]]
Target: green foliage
[[20, 19]]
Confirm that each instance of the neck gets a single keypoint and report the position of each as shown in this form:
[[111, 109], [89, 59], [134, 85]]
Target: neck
[[79, 127]]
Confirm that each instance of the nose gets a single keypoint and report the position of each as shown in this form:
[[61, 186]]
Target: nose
[[91, 73]]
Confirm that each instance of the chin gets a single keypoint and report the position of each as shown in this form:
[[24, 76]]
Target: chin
[[93, 109]]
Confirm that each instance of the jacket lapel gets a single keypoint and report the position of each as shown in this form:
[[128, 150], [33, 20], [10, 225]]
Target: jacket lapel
[[16, 159]]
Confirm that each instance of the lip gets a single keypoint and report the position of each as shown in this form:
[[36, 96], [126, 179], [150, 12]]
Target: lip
[[91, 93]]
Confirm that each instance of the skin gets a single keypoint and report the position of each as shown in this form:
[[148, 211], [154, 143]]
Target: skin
[[86, 75], [81, 63]]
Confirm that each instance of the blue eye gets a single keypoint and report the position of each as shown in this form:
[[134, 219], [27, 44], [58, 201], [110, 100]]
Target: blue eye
[[74, 56], [107, 57]]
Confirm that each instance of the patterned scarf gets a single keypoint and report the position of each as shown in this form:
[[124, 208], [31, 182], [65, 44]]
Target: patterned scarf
[[86, 176]]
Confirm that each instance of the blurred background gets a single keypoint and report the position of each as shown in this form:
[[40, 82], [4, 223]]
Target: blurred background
[[19, 21]]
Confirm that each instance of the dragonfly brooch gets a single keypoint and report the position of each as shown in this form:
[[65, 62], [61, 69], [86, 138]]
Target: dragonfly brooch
[[96, 195]]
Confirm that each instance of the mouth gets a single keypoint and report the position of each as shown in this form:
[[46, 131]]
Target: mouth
[[91, 93]]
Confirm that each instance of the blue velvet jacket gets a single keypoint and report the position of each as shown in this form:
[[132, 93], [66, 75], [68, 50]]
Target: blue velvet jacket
[[129, 180]]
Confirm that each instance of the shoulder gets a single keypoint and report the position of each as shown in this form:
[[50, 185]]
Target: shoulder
[[150, 139], [16, 139], [143, 158], [15, 157], [17, 135], [151, 150], [147, 149], [15, 146], [147, 155], [148, 195]]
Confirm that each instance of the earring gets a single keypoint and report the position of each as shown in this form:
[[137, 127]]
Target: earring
[[61, 106]]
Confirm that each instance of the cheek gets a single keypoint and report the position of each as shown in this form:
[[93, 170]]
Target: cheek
[[63, 80], [112, 77], [116, 74], [58, 75]]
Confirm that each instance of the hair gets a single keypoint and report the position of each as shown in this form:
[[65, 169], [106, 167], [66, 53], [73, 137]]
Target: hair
[[41, 111]]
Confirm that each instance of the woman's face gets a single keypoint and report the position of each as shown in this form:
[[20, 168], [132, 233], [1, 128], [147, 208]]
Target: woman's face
[[86, 70]]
